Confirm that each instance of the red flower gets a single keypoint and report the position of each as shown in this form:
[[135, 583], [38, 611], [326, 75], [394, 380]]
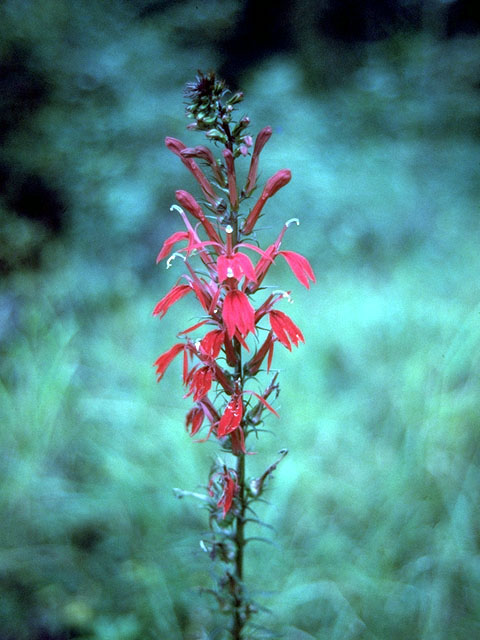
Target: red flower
[[232, 416], [211, 343], [172, 296], [235, 266], [200, 381], [300, 266], [169, 242], [194, 419], [163, 362], [230, 488], [238, 313], [284, 329]]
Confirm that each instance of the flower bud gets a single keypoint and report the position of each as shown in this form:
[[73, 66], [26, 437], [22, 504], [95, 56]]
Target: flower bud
[[232, 182], [217, 136], [276, 182], [188, 202], [204, 153], [262, 138], [236, 98], [174, 145]]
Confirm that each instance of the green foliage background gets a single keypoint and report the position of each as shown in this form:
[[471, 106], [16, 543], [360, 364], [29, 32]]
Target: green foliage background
[[375, 509]]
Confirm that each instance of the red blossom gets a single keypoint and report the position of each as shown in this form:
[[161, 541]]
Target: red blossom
[[300, 266], [284, 329], [235, 266], [223, 284], [232, 416], [163, 362], [178, 236], [238, 313], [211, 343], [194, 420], [229, 486], [200, 381], [175, 294]]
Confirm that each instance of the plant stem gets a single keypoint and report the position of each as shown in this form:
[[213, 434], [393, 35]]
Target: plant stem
[[239, 618], [238, 612]]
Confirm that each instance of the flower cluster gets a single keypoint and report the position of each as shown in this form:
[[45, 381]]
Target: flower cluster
[[224, 269]]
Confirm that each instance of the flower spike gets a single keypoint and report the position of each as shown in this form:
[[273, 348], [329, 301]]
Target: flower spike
[[230, 346]]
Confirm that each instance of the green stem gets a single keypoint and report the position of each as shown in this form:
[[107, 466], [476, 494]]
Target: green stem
[[239, 619], [238, 611]]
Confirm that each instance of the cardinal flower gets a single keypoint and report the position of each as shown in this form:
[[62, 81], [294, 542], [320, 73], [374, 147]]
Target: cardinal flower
[[235, 266], [200, 380], [230, 488], [211, 343], [163, 362], [238, 313], [300, 266], [232, 416], [175, 294], [284, 329], [194, 420], [226, 482]]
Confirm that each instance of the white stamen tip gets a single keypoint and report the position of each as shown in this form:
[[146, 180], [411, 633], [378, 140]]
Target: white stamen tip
[[284, 294], [175, 207], [229, 272], [228, 229], [291, 221], [172, 258]]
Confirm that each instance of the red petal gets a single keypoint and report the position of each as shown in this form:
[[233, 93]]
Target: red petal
[[263, 401], [231, 417], [172, 296], [235, 266], [201, 382], [212, 342], [300, 267], [192, 328], [284, 329], [238, 313], [229, 489], [168, 244], [163, 361], [195, 418]]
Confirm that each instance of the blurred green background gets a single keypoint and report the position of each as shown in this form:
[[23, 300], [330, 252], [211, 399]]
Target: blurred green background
[[375, 108]]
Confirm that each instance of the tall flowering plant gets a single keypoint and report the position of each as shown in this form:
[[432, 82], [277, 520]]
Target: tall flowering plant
[[227, 353]]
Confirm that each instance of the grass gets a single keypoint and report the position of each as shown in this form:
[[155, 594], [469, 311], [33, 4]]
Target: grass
[[375, 508]]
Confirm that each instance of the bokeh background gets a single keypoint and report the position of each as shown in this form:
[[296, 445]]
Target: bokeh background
[[375, 108]]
